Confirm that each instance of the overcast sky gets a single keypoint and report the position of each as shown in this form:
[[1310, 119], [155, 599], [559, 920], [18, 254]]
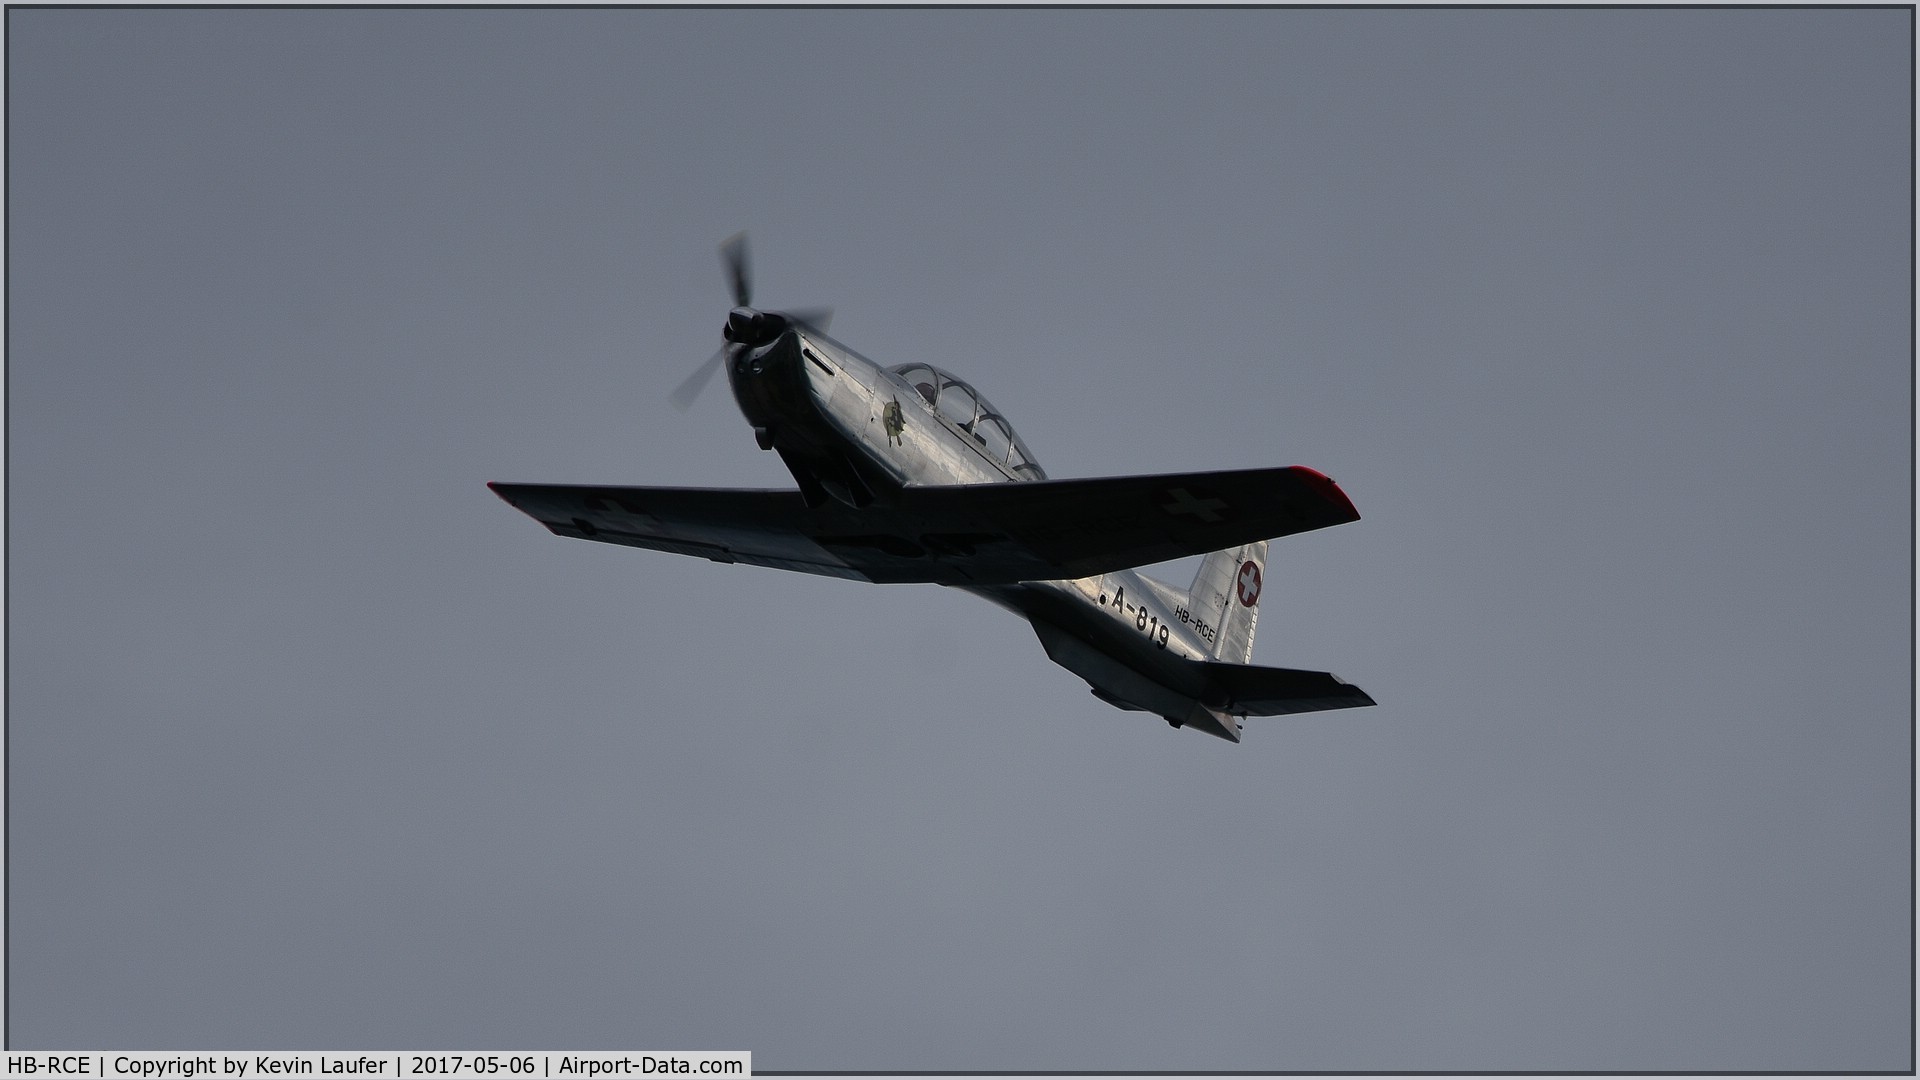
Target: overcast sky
[[1602, 318]]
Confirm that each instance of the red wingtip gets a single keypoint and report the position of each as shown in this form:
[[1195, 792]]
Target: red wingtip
[[1328, 490]]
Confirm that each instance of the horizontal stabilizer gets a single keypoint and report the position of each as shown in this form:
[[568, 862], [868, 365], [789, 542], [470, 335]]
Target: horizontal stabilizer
[[1265, 691]]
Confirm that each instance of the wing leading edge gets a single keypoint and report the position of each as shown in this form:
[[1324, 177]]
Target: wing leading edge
[[980, 534]]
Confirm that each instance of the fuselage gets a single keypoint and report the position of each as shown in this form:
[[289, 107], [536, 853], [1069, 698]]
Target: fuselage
[[851, 430]]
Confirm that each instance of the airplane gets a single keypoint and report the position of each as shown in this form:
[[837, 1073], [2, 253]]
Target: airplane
[[908, 474]]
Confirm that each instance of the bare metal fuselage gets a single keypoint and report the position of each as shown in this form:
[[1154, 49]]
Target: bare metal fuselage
[[852, 431]]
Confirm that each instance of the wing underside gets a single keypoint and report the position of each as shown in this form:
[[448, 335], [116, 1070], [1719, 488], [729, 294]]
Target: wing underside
[[984, 534]]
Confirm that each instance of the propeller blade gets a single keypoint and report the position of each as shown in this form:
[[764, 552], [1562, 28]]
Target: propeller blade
[[733, 253], [696, 382], [811, 318]]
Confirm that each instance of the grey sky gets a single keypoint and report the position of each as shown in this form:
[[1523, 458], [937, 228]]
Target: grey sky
[[1602, 317]]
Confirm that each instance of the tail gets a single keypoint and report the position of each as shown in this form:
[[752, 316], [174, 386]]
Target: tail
[[1226, 594]]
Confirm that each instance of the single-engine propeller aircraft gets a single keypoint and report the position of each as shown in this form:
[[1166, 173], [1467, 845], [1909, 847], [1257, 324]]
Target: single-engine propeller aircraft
[[907, 474]]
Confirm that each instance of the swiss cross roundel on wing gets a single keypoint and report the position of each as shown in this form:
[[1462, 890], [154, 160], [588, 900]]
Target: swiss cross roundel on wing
[[1248, 583]]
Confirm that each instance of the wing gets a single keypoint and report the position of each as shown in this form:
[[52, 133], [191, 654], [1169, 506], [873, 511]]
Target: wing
[[977, 534], [1265, 691]]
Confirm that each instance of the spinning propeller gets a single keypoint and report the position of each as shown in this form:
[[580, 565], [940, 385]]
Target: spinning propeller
[[747, 326]]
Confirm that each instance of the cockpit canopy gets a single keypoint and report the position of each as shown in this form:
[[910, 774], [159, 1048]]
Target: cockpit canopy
[[963, 407]]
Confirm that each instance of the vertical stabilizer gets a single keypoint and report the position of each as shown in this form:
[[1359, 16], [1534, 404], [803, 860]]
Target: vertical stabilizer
[[1226, 593]]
